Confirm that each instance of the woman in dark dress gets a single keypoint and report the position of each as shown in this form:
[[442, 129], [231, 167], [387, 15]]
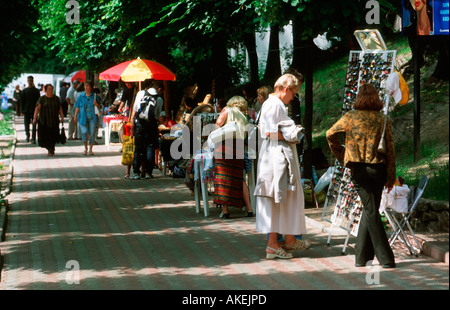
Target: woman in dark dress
[[48, 108]]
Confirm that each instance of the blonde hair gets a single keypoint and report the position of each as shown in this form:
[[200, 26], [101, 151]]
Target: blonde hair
[[263, 91], [238, 102], [287, 80]]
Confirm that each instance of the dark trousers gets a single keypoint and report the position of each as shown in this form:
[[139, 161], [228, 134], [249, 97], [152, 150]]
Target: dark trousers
[[28, 119], [145, 144], [371, 241]]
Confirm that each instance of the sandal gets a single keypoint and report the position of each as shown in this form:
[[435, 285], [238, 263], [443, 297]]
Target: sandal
[[280, 253], [299, 245], [85, 152], [126, 176], [91, 153], [225, 215]]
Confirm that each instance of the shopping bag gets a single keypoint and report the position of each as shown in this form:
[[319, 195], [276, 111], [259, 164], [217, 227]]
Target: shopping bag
[[127, 150], [324, 180], [227, 131], [62, 136]]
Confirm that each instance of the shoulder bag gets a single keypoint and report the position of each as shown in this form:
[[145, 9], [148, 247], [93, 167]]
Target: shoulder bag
[[382, 144], [227, 131]]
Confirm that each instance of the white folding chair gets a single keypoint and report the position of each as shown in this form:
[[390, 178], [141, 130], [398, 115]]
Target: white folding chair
[[399, 225]]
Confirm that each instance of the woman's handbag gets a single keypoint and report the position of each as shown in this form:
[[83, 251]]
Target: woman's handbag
[[227, 131], [382, 144], [62, 136]]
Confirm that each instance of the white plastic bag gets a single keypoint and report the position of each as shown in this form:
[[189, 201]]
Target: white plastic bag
[[324, 180], [396, 199], [227, 131]]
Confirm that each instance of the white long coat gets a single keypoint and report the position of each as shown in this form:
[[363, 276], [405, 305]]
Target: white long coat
[[288, 216]]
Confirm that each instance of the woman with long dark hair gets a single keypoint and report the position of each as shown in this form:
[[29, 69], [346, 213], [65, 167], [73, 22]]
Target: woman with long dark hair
[[370, 169], [48, 108]]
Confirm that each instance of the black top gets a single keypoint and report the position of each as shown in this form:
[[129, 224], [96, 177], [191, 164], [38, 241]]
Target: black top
[[127, 96], [296, 111], [28, 99]]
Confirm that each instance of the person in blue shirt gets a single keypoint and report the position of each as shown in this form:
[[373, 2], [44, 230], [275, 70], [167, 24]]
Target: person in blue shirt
[[85, 115]]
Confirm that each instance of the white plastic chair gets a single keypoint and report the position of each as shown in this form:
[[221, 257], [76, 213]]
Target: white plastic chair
[[399, 225]]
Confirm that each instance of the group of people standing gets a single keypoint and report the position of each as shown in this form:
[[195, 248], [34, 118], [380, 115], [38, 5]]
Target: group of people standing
[[45, 114], [279, 193]]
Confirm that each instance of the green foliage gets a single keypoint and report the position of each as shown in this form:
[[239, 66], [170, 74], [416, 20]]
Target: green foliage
[[111, 31], [17, 24], [6, 126]]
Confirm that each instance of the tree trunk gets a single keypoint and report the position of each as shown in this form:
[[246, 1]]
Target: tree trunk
[[250, 44], [298, 55], [166, 98], [219, 65], [273, 68], [308, 119], [441, 71]]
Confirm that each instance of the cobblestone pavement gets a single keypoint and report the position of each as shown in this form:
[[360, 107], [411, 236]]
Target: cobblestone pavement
[[75, 223]]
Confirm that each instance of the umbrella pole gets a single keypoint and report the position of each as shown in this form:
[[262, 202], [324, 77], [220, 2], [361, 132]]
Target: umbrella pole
[[166, 97]]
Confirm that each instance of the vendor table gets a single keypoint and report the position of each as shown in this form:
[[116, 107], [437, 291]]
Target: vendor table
[[108, 122]]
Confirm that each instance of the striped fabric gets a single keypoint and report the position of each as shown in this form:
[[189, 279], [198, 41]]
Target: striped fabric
[[49, 113], [228, 175]]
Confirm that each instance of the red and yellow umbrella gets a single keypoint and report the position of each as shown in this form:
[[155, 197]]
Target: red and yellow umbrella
[[138, 70]]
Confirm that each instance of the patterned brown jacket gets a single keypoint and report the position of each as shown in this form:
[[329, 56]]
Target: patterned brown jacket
[[363, 130]]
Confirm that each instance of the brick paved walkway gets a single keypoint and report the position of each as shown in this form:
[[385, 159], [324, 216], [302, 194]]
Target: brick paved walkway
[[73, 210]]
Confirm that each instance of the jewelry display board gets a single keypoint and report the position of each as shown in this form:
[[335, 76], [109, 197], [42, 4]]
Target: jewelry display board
[[342, 207]]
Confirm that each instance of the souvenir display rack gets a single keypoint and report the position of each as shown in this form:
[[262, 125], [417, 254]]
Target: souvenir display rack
[[343, 206], [208, 118]]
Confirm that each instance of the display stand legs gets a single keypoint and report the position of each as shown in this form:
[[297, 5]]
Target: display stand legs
[[201, 194]]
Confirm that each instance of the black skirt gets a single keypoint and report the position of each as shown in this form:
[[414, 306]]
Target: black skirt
[[47, 136]]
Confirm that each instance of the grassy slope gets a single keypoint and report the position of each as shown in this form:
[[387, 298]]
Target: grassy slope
[[434, 162]]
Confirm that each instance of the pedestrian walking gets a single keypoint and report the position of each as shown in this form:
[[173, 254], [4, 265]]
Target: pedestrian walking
[[63, 97], [28, 100], [70, 98], [16, 99], [47, 116], [144, 128], [159, 110], [371, 170], [280, 205], [85, 116]]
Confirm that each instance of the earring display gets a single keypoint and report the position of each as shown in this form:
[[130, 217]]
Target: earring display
[[343, 205], [367, 67]]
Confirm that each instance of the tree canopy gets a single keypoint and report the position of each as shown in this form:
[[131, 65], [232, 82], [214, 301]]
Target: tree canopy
[[191, 37]]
